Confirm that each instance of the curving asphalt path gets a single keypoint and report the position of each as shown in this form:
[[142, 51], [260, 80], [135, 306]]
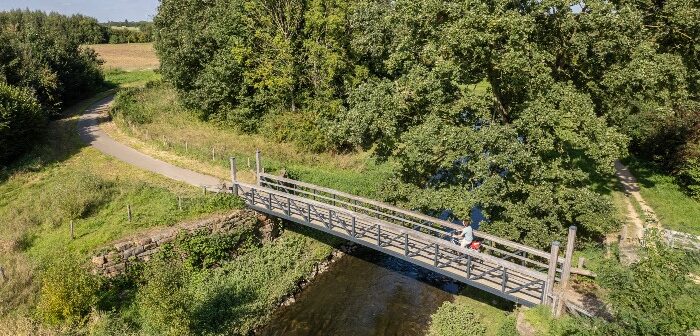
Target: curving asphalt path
[[90, 132]]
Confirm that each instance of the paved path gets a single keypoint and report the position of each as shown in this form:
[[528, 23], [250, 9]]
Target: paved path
[[90, 132]]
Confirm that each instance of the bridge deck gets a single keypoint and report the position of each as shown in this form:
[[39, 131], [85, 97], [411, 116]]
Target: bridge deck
[[519, 273]]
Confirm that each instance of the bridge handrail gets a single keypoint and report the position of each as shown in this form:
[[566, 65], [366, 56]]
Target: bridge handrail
[[418, 215], [476, 254]]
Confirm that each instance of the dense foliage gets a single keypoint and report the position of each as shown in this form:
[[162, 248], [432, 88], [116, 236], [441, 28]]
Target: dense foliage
[[457, 320], [655, 296], [41, 57], [67, 292], [20, 113], [176, 294]]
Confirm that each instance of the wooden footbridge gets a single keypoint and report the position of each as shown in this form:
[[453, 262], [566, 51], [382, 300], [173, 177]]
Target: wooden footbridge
[[519, 273]]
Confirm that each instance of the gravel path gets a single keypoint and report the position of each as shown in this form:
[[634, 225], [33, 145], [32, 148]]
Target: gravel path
[[90, 132]]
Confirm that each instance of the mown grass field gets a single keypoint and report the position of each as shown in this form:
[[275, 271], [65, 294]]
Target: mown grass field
[[127, 56], [675, 209]]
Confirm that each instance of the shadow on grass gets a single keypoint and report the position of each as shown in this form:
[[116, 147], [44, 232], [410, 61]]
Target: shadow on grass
[[58, 142]]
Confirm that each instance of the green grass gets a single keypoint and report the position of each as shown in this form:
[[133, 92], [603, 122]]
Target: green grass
[[122, 78], [675, 209], [62, 180]]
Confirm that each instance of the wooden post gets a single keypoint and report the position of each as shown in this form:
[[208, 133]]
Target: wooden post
[[234, 185], [179, 202], [551, 273], [257, 166], [566, 268], [204, 190], [248, 163], [186, 147], [128, 211], [72, 236]]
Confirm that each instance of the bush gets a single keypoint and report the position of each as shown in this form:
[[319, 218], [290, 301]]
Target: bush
[[456, 320], [68, 292], [20, 120], [163, 302], [655, 296]]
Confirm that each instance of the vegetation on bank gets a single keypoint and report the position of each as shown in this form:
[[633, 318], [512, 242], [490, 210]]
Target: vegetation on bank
[[655, 296]]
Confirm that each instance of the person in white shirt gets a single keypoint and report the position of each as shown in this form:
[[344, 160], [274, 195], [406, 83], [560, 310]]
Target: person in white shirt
[[467, 234]]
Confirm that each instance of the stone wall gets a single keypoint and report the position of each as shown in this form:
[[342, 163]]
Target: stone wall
[[115, 259]]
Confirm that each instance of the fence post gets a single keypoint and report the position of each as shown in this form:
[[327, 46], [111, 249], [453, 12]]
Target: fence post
[[566, 269], [128, 211], [551, 273], [179, 202], [234, 186], [257, 166], [186, 147]]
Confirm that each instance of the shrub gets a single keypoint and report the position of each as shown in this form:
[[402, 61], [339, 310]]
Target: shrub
[[456, 320], [204, 250], [20, 119], [163, 302], [655, 296], [68, 292]]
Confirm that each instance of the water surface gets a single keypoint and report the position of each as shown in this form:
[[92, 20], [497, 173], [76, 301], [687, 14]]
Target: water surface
[[366, 293]]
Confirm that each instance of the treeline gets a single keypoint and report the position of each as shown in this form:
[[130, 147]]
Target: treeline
[[137, 34], [42, 69], [516, 107]]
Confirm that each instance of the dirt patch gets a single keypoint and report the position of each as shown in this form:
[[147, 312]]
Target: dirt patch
[[127, 56]]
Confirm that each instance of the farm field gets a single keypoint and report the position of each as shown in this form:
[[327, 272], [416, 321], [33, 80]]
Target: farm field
[[127, 56]]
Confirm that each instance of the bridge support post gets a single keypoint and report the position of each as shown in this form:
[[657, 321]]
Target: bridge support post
[[551, 274], [566, 270], [234, 185], [257, 166]]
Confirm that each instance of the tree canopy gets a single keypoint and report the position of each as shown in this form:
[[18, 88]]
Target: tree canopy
[[43, 68], [515, 107]]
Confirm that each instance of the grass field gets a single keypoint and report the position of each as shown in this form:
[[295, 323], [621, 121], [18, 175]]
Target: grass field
[[127, 56], [62, 180], [675, 209]]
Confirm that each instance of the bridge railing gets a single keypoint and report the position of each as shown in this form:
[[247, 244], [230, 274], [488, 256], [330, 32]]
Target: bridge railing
[[525, 255], [483, 270]]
